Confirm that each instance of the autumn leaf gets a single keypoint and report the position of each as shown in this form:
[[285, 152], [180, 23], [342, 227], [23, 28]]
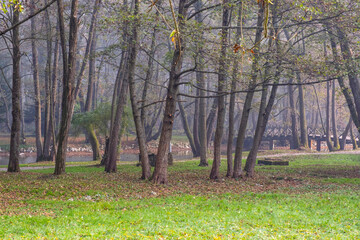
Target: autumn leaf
[[236, 48], [173, 36]]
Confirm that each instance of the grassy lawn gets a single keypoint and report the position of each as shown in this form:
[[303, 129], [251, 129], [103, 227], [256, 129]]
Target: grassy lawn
[[315, 197]]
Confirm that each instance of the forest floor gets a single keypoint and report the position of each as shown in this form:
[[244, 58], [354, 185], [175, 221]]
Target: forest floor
[[315, 197]]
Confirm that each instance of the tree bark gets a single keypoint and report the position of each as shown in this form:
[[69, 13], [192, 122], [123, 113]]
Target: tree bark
[[196, 125], [140, 131], [211, 121], [53, 95], [91, 36], [345, 90], [344, 135], [91, 80], [110, 161], [160, 172], [214, 174], [16, 95], [351, 71], [48, 85], [333, 117], [294, 127], [35, 65], [304, 142], [265, 108], [249, 96], [229, 150], [187, 128], [202, 102], [148, 76], [327, 123], [355, 146], [69, 70]]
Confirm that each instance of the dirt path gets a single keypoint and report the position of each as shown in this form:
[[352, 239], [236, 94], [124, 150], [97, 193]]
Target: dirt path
[[261, 156]]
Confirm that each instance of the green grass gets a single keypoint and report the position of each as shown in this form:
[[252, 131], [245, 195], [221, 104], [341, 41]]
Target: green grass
[[315, 197], [265, 215]]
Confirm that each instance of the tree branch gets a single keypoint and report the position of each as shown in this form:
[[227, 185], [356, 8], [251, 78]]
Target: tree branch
[[28, 18]]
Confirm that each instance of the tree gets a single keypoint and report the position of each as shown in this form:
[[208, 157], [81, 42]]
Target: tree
[[16, 95], [69, 70], [39, 150], [249, 97], [160, 171], [214, 174], [140, 131]]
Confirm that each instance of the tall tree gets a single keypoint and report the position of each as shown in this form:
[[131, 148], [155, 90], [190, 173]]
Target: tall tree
[[333, 118], [200, 78], [160, 175], [266, 107], [140, 130], [214, 174], [91, 79], [69, 70], [16, 96], [249, 97], [304, 142], [293, 116], [234, 81], [48, 85], [35, 65]]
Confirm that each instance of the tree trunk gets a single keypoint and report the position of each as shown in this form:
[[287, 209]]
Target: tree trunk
[[16, 95], [140, 131], [110, 162], [91, 36], [294, 127], [345, 90], [214, 174], [90, 92], [187, 128], [355, 146], [229, 150], [265, 108], [148, 77], [327, 123], [304, 142], [53, 96], [69, 68], [202, 122], [196, 125], [202, 102], [249, 96], [333, 117], [160, 172], [211, 121], [48, 92], [351, 71], [344, 135], [39, 150]]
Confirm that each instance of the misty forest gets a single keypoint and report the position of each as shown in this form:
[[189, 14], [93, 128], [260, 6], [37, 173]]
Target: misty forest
[[170, 119]]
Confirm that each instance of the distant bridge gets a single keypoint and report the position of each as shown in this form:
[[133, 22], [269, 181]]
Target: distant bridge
[[283, 136]]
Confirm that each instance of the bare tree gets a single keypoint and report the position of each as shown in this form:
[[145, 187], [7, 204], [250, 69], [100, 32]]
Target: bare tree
[[16, 95]]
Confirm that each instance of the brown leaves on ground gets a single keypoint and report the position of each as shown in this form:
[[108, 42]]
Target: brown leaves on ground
[[18, 189]]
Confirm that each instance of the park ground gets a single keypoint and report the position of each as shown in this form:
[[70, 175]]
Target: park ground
[[315, 197]]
